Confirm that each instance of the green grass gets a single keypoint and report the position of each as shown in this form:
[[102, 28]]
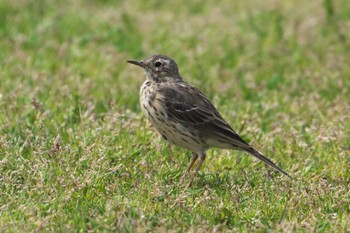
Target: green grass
[[77, 155]]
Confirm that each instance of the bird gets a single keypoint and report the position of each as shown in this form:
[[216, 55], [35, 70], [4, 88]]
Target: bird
[[184, 116]]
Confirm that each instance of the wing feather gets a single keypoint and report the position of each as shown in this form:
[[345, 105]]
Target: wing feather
[[186, 104]]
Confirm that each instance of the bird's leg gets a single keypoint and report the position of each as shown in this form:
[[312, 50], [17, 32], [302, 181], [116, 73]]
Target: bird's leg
[[197, 168], [194, 159]]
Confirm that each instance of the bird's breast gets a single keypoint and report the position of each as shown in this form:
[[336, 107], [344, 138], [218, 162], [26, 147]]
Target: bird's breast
[[153, 105], [151, 101]]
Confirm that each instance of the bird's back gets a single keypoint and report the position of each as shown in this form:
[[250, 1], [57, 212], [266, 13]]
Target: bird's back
[[154, 102], [190, 113]]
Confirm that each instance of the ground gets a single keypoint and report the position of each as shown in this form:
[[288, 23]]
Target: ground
[[77, 155]]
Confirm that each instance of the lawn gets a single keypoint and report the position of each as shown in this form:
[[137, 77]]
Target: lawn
[[77, 154]]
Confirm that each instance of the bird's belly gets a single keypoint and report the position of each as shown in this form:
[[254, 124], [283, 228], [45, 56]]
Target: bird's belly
[[174, 132]]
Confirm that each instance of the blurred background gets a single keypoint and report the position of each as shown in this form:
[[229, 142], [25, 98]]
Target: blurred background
[[278, 71]]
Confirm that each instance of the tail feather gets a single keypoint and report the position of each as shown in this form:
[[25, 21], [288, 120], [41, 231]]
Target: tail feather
[[258, 155]]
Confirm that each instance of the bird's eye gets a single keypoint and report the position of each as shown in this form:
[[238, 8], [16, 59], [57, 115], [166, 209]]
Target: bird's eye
[[157, 64]]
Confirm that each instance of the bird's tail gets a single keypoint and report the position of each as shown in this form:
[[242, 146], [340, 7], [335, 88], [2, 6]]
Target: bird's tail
[[258, 155]]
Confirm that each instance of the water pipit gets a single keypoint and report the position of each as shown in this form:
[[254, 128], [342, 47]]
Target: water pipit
[[184, 116]]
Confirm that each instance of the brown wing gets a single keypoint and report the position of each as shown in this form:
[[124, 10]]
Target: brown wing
[[186, 104]]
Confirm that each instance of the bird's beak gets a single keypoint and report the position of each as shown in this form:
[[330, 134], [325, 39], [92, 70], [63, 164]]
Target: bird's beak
[[138, 63]]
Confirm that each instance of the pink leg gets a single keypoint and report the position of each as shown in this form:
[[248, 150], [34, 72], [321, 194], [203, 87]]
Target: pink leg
[[194, 159], [197, 168]]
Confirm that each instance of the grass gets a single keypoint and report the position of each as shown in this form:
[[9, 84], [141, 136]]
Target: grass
[[77, 155]]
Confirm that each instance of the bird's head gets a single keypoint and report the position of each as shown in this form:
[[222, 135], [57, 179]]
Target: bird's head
[[159, 68]]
